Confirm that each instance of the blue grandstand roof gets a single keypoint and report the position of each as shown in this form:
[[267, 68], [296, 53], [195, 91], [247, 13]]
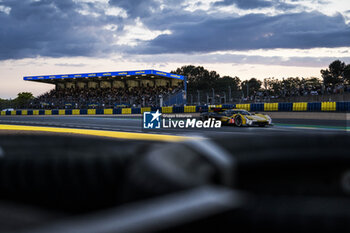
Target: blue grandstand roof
[[104, 74]]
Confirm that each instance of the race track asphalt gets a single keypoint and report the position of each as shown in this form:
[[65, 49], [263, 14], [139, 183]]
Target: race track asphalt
[[134, 124]]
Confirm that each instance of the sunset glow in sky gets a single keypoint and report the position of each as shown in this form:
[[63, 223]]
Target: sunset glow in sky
[[244, 38]]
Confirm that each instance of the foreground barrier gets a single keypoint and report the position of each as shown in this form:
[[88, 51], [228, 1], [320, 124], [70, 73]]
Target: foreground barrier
[[254, 107]]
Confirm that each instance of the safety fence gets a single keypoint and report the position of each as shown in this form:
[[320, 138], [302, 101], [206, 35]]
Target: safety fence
[[256, 107]]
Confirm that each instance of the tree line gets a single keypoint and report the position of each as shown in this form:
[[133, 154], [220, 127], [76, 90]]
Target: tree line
[[201, 79], [21, 101]]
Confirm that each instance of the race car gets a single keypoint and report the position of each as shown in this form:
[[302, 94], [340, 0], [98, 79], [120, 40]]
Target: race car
[[238, 117]]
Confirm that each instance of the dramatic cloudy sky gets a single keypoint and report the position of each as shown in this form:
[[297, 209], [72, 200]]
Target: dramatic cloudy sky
[[245, 38]]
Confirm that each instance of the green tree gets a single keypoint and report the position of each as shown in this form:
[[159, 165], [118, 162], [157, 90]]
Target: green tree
[[272, 86], [23, 99], [199, 78], [225, 82], [251, 86], [347, 74], [334, 74], [4, 103]]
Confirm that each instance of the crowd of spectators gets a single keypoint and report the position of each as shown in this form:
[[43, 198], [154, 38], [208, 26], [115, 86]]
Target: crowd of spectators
[[266, 95], [103, 97]]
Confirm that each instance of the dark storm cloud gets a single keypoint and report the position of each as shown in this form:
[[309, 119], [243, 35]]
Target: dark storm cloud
[[254, 31], [55, 28], [254, 4], [52, 28], [203, 58], [136, 8], [245, 4]]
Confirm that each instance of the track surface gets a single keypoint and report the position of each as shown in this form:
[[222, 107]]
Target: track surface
[[133, 124]]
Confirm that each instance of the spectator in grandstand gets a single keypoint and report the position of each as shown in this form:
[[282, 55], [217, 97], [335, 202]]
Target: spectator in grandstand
[[106, 97]]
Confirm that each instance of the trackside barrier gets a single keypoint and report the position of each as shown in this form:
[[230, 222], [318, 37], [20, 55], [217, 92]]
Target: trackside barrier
[[135, 110], [255, 107], [146, 109], [76, 112], [328, 106], [343, 106], [314, 107], [190, 109], [154, 109], [228, 106], [83, 111], [299, 106], [91, 111], [285, 107], [108, 111], [215, 106], [201, 108], [167, 110], [243, 106], [126, 110], [271, 107], [178, 109]]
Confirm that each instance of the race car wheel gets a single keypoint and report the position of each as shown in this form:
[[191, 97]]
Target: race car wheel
[[238, 121]]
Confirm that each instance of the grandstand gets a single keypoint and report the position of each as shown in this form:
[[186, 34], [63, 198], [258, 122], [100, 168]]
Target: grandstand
[[111, 89]]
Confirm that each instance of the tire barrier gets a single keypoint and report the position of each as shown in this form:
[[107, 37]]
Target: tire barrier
[[254, 107], [299, 107]]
